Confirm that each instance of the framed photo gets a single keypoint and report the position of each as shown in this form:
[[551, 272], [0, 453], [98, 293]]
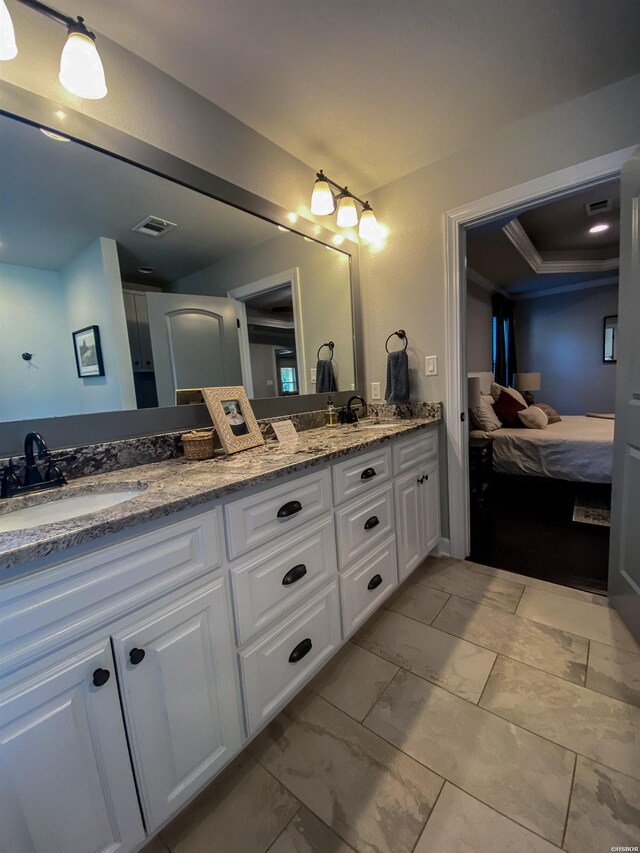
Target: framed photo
[[233, 417], [86, 345]]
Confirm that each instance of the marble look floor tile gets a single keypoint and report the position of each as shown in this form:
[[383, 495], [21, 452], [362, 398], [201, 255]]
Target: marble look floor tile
[[539, 645], [371, 794], [579, 617], [456, 665], [457, 578], [217, 819], [463, 824], [353, 680], [417, 601], [604, 811], [536, 583], [577, 718], [615, 672], [308, 834], [518, 773]]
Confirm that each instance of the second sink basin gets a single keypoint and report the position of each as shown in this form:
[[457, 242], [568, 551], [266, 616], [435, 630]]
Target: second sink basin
[[63, 509]]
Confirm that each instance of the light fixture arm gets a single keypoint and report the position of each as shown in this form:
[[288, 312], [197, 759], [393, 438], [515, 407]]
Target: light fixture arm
[[343, 191], [60, 17]]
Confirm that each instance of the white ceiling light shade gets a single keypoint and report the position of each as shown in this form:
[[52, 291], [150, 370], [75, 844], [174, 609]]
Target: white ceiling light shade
[[347, 212], [597, 229], [322, 202], [81, 71], [8, 46], [368, 229]]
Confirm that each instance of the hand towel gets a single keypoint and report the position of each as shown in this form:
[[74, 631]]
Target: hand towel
[[325, 380], [397, 377]]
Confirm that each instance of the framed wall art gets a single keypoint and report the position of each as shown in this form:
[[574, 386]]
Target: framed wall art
[[88, 352]]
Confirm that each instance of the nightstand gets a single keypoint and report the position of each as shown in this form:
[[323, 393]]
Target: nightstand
[[480, 468]]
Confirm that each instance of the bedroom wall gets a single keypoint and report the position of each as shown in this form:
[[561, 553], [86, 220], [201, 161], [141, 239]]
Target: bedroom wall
[[479, 335], [561, 336]]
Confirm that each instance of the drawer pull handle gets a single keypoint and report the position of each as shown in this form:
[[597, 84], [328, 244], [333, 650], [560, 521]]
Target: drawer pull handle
[[303, 648], [294, 574], [100, 677], [375, 582], [368, 473], [136, 656], [372, 522], [288, 509], [423, 479]]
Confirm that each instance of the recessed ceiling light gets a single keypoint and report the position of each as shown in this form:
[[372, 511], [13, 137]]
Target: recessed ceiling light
[[146, 270], [601, 226], [57, 136]]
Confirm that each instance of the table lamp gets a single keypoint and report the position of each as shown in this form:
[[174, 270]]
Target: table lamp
[[526, 383]]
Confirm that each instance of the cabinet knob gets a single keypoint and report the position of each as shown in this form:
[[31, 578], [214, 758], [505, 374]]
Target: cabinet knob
[[368, 473], [288, 509], [372, 522], [136, 656], [294, 574], [375, 582], [303, 648], [100, 677]]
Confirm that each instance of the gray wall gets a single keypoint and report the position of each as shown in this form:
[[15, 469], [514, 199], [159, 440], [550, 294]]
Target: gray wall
[[479, 335], [561, 336]]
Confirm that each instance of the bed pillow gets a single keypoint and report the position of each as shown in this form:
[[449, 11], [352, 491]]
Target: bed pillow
[[533, 418], [483, 416], [506, 408], [550, 412], [496, 390]]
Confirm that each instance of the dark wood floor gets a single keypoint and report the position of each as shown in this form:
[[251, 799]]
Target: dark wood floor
[[526, 526]]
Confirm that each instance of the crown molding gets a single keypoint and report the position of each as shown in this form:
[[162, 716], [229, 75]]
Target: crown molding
[[520, 239], [566, 288]]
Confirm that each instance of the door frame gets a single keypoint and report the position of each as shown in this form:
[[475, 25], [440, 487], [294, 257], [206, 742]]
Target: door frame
[[264, 285], [484, 210]]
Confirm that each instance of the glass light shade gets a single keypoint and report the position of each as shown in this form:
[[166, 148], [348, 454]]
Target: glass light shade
[[347, 212], [81, 71], [368, 229], [321, 199], [8, 47]]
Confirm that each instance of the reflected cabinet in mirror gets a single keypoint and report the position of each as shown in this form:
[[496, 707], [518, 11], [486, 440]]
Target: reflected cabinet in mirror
[[185, 291]]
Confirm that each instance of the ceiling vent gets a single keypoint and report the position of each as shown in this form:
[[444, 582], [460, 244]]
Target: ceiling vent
[[153, 226], [596, 207]]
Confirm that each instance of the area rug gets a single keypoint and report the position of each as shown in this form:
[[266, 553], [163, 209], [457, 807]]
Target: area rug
[[592, 509]]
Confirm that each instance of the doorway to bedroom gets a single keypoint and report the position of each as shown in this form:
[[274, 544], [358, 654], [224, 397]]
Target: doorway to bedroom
[[540, 327]]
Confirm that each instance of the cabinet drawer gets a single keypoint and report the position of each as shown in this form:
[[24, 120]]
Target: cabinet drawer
[[354, 477], [364, 523], [277, 664], [414, 450], [256, 519], [364, 587], [46, 611], [281, 576]]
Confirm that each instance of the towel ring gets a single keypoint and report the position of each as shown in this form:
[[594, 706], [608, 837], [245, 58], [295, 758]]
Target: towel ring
[[400, 334], [329, 344]]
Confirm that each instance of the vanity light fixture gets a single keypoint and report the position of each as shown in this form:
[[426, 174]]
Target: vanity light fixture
[[323, 203], [81, 70], [601, 226]]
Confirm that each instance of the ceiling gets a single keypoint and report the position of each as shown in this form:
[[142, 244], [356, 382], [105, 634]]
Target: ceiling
[[371, 90], [558, 231]]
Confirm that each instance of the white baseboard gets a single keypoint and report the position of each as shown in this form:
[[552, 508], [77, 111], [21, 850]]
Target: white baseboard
[[444, 547]]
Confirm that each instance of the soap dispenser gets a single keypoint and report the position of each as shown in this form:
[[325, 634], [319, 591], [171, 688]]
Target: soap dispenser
[[330, 414]]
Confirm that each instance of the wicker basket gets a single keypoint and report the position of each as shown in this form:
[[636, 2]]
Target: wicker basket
[[198, 445]]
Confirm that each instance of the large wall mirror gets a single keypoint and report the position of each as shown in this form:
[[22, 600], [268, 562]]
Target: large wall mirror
[[187, 291]]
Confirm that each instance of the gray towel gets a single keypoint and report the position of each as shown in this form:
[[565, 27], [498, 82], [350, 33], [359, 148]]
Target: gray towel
[[325, 380], [397, 377]]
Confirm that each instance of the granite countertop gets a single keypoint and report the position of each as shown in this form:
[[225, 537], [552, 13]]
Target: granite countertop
[[174, 485]]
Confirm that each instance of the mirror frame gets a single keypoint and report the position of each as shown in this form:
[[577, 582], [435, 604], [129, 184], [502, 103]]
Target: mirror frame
[[93, 428]]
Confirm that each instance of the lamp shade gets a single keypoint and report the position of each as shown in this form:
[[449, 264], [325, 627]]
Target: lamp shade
[[527, 381], [322, 202], [347, 212], [473, 392], [81, 71], [368, 229], [8, 47]]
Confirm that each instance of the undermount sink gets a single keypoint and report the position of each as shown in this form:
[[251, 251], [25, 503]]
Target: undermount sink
[[365, 426], [63, 508]]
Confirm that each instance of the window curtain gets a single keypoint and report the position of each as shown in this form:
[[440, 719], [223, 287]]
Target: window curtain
[[504, 339]]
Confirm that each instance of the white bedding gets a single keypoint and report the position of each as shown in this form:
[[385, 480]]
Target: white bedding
[[578, 448]]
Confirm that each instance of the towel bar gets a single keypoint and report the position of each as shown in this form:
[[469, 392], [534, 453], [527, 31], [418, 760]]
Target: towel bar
[[400, 334]]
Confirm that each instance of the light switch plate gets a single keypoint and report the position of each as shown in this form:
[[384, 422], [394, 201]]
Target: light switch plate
[[312, 371], [431, 365], [375, 391]]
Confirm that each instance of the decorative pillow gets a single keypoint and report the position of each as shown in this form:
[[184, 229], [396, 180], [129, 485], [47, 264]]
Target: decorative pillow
[[506, 408], [496, 390], [483, 416], [552, 415], [533, 418]]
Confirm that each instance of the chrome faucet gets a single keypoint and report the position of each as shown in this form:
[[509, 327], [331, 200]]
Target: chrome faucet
[[33, 479]]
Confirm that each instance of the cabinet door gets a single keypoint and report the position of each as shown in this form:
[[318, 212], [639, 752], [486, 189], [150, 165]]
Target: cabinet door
[[142, 318], [430, 497], [176, 670], [132, 328], [66, 783], [409, 521]]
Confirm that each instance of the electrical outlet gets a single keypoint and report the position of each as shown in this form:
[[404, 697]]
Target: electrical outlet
[[375, 391], [431, 365], [312, 371]]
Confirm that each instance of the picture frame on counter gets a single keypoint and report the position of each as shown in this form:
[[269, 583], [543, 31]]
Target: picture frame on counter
[[233, 418]]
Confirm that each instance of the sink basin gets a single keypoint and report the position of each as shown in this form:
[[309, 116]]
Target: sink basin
[[63, 509], [364, 426]]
